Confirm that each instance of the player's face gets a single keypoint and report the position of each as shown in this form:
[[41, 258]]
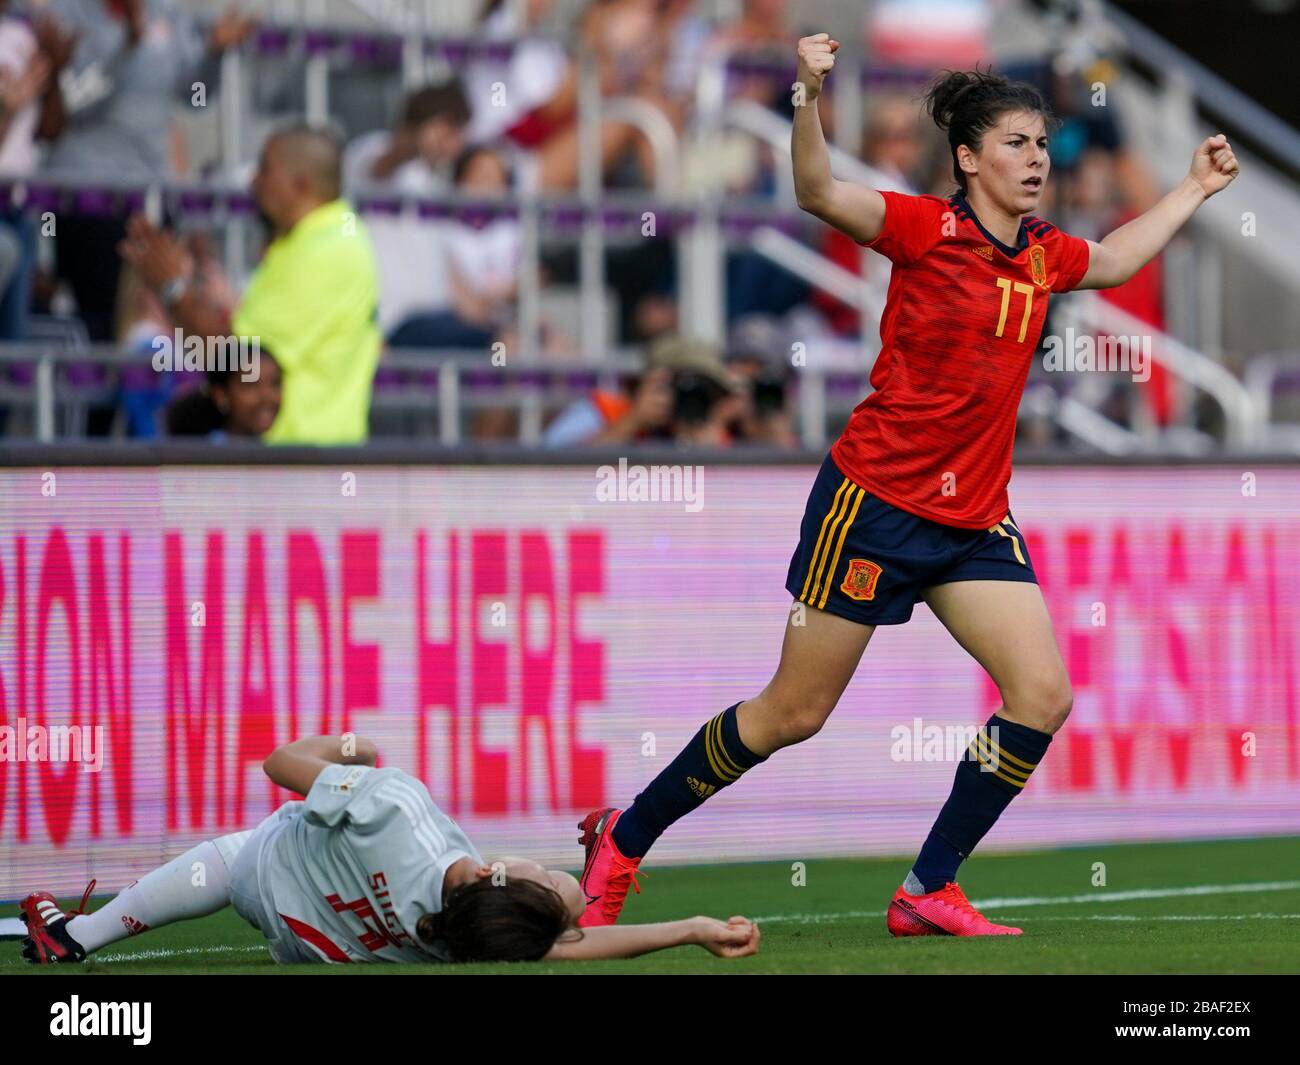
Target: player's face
[[557, 880], [1013, 162]]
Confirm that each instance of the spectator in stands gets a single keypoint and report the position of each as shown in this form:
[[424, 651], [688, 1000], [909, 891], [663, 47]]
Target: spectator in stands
[[764, 419], [481, 260], [31, 108], [142, 322], [642, 410], [416, 156], [686, 35], [132, 61], [687, 395], [312, 299], [892, 140], [708, 399], [414, 159], [760, 24], [529, 102], [228, 406], [734, 160]]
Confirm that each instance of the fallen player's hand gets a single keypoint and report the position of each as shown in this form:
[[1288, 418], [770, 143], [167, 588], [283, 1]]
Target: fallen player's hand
[[735, 938]]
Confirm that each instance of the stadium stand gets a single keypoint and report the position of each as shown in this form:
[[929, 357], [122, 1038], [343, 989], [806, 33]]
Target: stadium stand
[[552, 189]]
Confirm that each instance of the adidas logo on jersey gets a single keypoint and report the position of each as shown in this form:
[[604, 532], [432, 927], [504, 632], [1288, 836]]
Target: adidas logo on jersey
[[984, 252]]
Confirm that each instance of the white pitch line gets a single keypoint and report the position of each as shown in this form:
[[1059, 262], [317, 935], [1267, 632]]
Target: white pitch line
[[816, 918], [149, 955], [160, 952], [1162, 917], [1060, 900], [1143, 893]]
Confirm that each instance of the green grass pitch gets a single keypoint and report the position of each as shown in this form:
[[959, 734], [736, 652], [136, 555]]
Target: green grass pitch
[[1205, 907]]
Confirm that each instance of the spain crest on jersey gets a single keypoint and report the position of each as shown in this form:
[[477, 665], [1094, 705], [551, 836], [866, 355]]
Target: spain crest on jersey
[[1038, 265], [860, 581]]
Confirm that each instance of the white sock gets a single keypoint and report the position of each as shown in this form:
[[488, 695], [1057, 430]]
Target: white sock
[[191, 885], [912, 885]]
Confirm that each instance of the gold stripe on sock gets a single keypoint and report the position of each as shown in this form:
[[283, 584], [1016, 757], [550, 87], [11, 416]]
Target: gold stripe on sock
[[1031, 766], [993, 761], [992, 765], [721, 748], [718, 771]]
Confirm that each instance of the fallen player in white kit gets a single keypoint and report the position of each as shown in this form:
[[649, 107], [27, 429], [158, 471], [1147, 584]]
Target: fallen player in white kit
[[366, 869]]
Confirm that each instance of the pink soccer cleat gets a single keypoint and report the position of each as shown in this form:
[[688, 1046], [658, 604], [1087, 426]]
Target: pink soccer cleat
[[946, 912], [608, 872]]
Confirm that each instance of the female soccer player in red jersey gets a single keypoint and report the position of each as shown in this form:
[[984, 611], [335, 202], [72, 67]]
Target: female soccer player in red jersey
[[911, 502]]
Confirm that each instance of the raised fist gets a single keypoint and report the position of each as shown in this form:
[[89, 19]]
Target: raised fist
[[816, 57], [1214, 165]]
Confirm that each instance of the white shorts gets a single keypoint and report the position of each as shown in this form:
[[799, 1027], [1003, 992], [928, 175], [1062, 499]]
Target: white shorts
[[247, 894]]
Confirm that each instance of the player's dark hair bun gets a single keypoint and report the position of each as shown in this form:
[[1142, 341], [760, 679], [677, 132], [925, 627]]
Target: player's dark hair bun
[[967, 104]]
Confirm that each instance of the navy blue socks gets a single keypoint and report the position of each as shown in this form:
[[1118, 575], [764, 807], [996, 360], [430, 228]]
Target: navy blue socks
[[995, 768], [714, 758]]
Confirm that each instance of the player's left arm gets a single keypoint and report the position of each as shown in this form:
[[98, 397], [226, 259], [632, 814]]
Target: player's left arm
[[1124, 252], [296, 765], [735, 938]]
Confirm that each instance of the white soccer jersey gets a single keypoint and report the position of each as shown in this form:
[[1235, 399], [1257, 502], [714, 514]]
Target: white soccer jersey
[[353, 869]]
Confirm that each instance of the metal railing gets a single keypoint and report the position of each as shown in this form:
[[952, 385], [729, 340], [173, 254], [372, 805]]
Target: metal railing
[[1243, 419], [447, 384]]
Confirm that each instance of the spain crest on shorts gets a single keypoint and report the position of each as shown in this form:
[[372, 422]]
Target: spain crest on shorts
[[1038, 265], [860, 581]]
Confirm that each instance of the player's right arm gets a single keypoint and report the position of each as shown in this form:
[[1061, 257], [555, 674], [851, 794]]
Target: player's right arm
[[853, 209], [735, 938], [296, 765]]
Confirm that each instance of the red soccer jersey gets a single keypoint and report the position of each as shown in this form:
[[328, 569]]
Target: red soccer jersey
[[961, 324]]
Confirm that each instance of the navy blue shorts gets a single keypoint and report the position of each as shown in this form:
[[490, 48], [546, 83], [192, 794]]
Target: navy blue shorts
[[866, 560]]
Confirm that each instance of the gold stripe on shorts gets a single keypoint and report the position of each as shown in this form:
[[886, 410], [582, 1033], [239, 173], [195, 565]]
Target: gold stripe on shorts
[[835, 561], [821, 536]]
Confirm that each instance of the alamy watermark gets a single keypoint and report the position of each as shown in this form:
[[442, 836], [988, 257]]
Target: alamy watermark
[[77, 1018], [919, 742], [1108, 354], [221, 354], [651, 484], [21, 742]]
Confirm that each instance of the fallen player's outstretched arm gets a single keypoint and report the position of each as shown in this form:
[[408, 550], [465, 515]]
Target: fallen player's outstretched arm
[[727, 939]]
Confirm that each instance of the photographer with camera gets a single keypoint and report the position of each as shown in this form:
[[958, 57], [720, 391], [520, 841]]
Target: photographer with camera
[[687, 395]]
